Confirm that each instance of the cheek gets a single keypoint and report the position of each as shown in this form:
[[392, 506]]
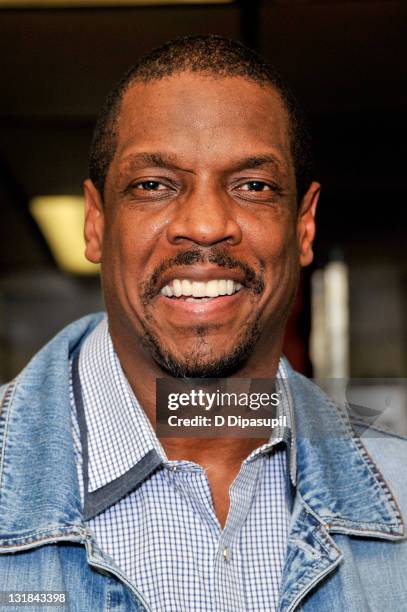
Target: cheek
[[129, 242], [274, 243], [120, 264], [276, 249], [130, 253]]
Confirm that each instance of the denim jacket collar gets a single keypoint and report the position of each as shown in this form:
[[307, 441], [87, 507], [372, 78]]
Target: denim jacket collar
[[337, 481], [39, 490]]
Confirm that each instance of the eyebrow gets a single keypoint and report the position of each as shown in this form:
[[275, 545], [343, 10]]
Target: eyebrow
[[249, 163], [165, 160], [160, 160]]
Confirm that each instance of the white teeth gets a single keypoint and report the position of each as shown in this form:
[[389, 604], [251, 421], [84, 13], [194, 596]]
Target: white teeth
[[222, 287], [201, 289], [201, 300], [177, 287], [212, 288], [198, 289], [186, 287]]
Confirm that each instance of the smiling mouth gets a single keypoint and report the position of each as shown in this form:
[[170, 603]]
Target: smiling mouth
[[200, 291]]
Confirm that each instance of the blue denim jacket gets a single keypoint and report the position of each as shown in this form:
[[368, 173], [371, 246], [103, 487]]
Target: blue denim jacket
[[346, 549]]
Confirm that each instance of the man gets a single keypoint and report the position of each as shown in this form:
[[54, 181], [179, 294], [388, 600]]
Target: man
[[200, 207]]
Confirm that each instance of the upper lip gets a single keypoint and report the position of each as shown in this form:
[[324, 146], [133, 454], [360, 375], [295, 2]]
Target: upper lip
[[202, 273]]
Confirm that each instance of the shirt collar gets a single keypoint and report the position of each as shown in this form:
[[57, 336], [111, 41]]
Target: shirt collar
[[282, 433], [119, 434]]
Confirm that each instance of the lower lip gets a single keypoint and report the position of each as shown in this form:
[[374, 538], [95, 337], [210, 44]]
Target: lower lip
[[198, 308]]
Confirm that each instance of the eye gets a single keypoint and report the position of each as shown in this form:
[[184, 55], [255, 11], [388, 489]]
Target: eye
[[150, 189], [255, 186], [150, 186]]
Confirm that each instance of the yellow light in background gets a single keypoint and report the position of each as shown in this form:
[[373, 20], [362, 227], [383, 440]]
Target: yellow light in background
[[60, 219]]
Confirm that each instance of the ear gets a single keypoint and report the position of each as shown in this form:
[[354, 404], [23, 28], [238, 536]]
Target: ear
[[94, 222], [306, 223]]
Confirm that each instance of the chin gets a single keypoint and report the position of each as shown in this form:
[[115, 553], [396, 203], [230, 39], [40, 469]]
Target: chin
[[200, 362]]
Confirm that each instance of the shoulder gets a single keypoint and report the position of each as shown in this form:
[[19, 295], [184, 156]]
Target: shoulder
[[388, 451], [45, 377], [58, 348], [383, 452]]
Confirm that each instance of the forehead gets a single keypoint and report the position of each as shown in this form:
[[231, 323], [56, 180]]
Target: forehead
[[204, 118]]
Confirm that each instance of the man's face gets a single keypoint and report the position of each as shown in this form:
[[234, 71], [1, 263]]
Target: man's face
[[199, 235]]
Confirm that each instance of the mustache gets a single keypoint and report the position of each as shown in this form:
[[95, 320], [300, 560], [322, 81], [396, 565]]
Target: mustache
[[217, 255]]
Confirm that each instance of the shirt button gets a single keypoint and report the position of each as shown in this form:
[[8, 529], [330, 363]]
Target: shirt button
[[227, 554], [174, 468]]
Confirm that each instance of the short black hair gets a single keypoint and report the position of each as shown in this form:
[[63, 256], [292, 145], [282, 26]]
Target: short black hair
[[209, 55]]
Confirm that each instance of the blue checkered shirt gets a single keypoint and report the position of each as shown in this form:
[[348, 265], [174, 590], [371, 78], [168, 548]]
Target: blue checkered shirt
[[164, 534]]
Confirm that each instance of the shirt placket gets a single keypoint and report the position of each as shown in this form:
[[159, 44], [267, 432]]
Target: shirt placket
[[229, 574], [192, 484]]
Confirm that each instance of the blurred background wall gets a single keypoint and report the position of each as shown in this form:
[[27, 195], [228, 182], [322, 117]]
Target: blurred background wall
[[345, 59]]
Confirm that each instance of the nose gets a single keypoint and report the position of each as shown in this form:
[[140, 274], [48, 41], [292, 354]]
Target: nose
[[205, 217]]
